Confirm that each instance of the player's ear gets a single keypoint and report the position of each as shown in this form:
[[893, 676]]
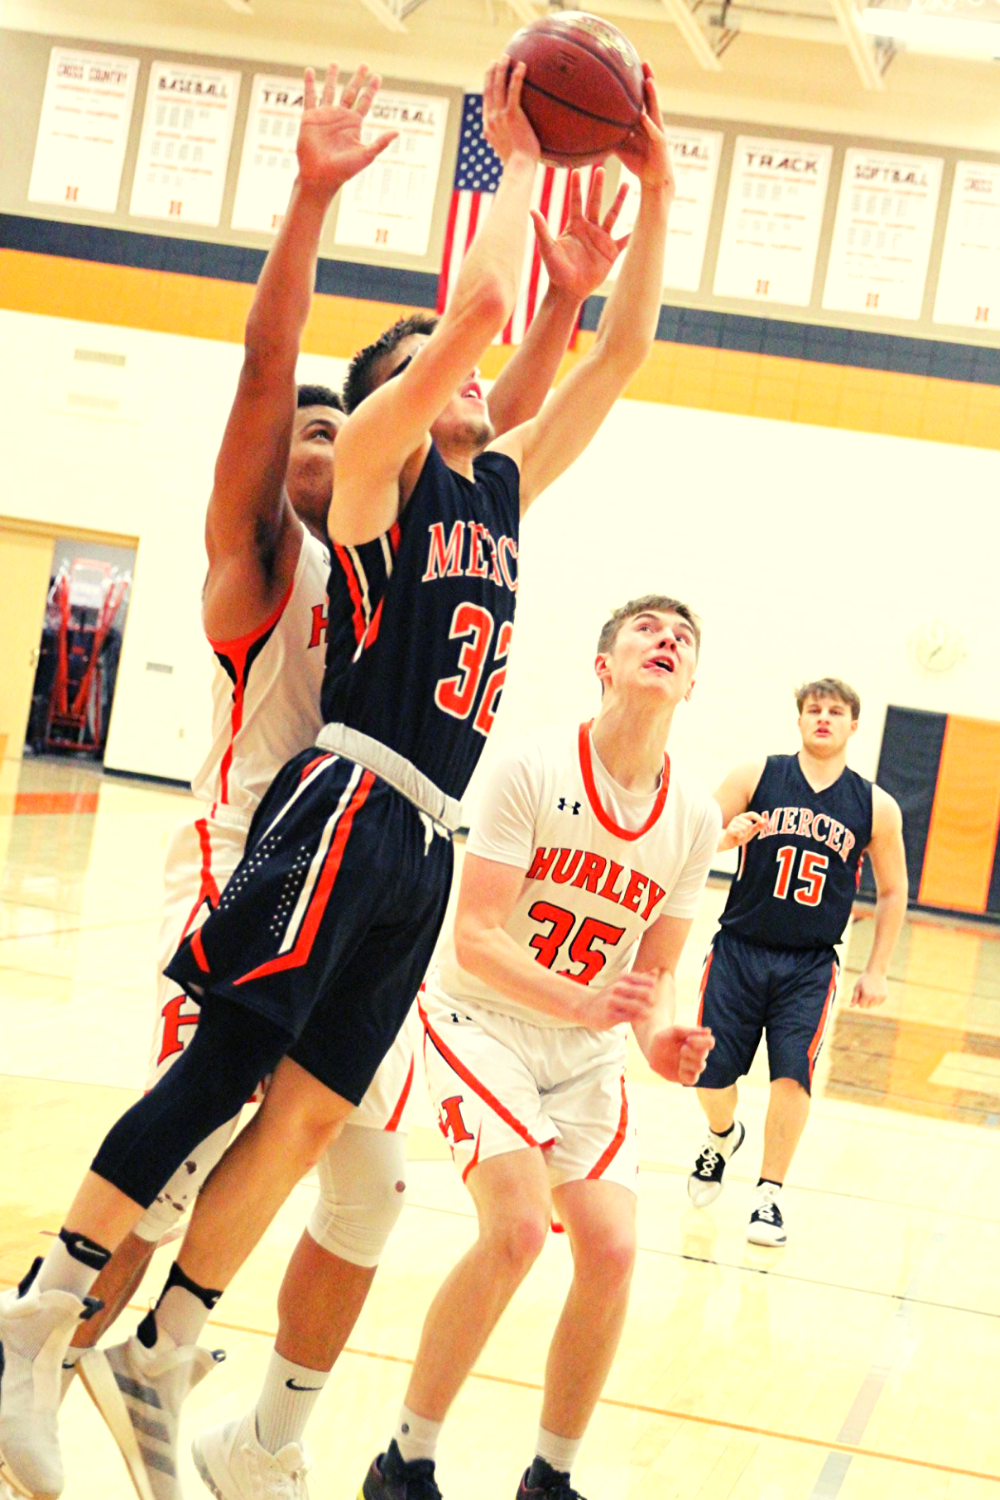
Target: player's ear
[[687, 695], [601, 669], [854, 726]]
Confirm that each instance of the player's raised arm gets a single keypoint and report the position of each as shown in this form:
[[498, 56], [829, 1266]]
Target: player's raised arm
[[577, 263], [888, 856], [383, 444], [248, 512], [546, 446]]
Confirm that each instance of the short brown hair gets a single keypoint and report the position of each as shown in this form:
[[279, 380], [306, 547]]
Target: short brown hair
[[362, 372], [829, 687], [662, 604]]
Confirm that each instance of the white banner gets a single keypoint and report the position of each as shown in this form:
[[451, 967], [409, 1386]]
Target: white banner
[[695, 156], [968, 290], [389, 206], [268, 165], [187, 127], [774, 211], [882, 235], [83, 130]]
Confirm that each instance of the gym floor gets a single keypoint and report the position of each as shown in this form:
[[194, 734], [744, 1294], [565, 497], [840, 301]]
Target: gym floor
[[862, 1361]]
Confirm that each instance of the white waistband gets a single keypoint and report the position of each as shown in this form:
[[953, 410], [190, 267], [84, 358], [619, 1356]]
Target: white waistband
[[230, 817], [394, 769]]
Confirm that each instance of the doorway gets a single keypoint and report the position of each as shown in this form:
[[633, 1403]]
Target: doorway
[[66, 596]]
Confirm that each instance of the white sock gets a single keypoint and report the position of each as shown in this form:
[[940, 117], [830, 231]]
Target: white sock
[[558, 1451], [61, 1271], [416, 1437], [286, 1402], [181, 1314]]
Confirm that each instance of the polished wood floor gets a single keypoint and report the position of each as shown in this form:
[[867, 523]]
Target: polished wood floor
[[860, 1363]]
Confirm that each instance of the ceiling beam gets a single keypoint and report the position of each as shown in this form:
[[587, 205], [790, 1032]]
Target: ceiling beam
[[697, 41], [386, 12], [864, 54]]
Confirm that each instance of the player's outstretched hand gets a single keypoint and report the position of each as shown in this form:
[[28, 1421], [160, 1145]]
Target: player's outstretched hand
[[741, 830], [580, 260], [870, 990], [645, 151], [678, 1054], [505, 125], [629, 999], [330, 147]]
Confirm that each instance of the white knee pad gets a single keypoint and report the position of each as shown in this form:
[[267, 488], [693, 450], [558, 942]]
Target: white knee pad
[[170, 1205], [362, 1179]]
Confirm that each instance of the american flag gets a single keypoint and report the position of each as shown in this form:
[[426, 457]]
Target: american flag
[[477, 176]]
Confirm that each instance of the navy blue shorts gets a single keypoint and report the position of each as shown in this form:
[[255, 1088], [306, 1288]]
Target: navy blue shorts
[[328, 923], [785, 994]]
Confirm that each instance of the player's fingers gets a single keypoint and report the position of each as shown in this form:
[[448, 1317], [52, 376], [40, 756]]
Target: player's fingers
[[366, 97], [611, 217], [489, 88], [309, 88], [376, 147], [594, 195], [329, 85], [651, 97], [514, 83], [545, 240]]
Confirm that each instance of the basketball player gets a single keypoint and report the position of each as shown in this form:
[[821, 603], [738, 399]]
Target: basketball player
[[316, 950], [803, 824], [265, 612], [588, 850]]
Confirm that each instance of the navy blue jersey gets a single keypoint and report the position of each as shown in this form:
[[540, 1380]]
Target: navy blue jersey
[[421, 618], [797, 879]]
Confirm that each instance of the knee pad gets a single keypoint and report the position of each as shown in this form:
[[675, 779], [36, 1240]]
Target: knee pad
[[170, 1205], [362, 1181]]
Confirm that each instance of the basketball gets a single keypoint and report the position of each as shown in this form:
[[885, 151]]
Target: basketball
[[583, 89]]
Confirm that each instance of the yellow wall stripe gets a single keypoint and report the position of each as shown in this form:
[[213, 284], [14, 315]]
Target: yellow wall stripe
[[726, 380]]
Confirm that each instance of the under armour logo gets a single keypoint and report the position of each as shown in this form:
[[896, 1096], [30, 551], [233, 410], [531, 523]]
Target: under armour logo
[[574, 807]]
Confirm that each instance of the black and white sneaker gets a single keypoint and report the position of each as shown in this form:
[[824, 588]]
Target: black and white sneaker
[[766, 1227], [705, 1182], [391, 1478]]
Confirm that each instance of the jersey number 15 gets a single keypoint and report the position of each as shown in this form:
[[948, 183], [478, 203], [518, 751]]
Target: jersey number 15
[[811, 875]]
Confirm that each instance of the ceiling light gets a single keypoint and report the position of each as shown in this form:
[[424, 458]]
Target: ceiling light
[[935, 32]]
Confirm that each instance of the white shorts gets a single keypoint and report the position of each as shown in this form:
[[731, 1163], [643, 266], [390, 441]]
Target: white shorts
[[500, 1084]]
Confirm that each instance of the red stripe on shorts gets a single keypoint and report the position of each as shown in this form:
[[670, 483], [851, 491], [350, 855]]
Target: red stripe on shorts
[[816, 1042], [393, 1121], [704, 981], [299, 955], [457, 1066], [608, 1155]]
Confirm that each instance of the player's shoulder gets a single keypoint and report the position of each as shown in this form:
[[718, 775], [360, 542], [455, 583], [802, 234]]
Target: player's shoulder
[[887, 815], [545, 748], [497, 473]]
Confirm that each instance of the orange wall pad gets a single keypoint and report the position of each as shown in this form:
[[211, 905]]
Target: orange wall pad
[[962, 839], [725, 380]]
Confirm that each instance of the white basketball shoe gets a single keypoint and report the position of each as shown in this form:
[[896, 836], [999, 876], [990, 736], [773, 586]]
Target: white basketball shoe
[[139, 1393], [705, 1182], [766, 1226], [234, 1466], [35, 1332]]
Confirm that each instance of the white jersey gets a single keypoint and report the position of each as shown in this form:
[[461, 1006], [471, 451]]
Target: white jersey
[[601, 863], [266, 689]]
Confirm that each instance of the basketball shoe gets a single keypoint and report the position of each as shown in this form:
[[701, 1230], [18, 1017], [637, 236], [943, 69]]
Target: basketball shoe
[[139, 1393], [389, 1478], [705, 1182], [234, 1466], [35, 1332], [553, 1485], [766, 1227]]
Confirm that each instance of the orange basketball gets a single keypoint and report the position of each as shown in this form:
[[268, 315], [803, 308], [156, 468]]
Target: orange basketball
[[583, 89]]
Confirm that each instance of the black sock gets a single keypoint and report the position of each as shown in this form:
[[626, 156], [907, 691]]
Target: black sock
[[146, 1332], [88, 1252], [723, 1133], [541, 1474], [761, 1181]]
